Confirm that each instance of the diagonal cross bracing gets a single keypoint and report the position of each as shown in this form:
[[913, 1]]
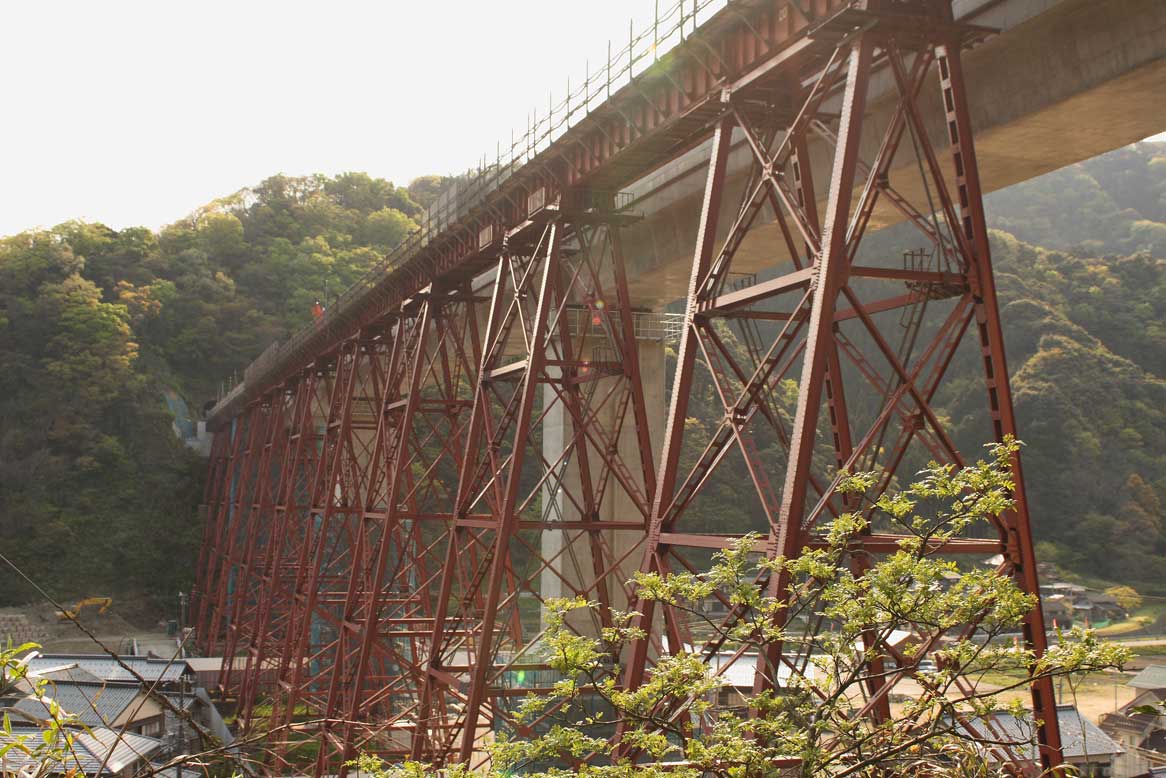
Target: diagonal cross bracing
[[401, 491]]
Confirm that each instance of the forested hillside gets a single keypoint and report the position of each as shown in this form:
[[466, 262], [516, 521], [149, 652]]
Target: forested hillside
[[96, 493], [98, 496], [1085, 323]]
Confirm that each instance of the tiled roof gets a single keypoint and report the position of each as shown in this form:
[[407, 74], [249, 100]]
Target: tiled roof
[[1136, 723], [88, 751], [123, 751], [1153, 677], [1079, 736], [93, 704], [107, 669], [67, 673]]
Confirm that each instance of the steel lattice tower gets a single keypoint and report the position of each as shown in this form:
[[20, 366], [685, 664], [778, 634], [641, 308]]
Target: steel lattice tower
[[386, 516]]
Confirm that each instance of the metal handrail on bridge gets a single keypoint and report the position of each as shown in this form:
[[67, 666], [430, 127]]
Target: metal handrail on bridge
[[667, 31]]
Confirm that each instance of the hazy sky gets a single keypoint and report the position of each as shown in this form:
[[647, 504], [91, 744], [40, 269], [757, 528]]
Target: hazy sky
[[136, 112]]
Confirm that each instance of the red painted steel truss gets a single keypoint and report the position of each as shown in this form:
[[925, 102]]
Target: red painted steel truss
[[384, 527]]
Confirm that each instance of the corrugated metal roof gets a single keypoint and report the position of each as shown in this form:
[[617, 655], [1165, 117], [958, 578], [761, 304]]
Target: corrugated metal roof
[[14, 760], [93, 704], [212, 664], [207, 664], [1153, 677], [108, 669]]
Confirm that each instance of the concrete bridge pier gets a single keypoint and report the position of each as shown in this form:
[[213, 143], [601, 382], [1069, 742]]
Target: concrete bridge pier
[[571, 572]]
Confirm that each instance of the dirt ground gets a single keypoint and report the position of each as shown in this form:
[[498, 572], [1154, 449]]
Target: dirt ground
[[1094, 695], [111, 628]]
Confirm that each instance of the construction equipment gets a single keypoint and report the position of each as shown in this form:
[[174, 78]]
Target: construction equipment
[[101, 603]]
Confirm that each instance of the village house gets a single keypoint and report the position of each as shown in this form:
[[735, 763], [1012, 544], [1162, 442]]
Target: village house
[[1142, 734], [154, 701], [1058, 610], [1084, 745], [1070, 604], [95, 704]]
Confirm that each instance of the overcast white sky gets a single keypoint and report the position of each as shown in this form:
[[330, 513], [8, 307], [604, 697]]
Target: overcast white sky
[[138, 111]]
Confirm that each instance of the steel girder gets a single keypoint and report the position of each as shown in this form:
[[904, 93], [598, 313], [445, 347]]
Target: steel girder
[[376, 528]]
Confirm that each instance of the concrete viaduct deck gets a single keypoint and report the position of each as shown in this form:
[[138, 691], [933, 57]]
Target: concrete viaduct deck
[[1064, 81]]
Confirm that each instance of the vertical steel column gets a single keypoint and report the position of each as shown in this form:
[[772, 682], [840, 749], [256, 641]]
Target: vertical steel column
[[543, 480], [682, 385], [368, 599], [507, 516], [434, 677], [407, 391], [830, 273], [355, 596], [336, 496], [218, 529], [632, 366], [217, 468], [303, 592], [259, 526], [1018, 543], [289, 522], [681, 388], [235, 524], [420, 432]]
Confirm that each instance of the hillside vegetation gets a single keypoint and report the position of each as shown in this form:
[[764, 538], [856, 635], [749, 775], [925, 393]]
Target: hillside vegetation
[[1085, 324], [97, 495]]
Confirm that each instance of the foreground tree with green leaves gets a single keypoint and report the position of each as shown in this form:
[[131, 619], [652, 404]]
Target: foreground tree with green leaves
[[845, 628]]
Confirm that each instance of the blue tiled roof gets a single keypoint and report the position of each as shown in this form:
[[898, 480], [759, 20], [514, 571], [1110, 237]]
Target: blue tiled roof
[[93, 704]]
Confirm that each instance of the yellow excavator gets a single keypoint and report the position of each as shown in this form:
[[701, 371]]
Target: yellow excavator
[[101, 603]]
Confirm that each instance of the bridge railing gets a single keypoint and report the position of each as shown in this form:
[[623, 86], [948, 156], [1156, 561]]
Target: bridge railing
[[670, 27], [646, 325]]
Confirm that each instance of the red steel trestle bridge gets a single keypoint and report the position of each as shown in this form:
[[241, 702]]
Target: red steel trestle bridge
[[482, 423]]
